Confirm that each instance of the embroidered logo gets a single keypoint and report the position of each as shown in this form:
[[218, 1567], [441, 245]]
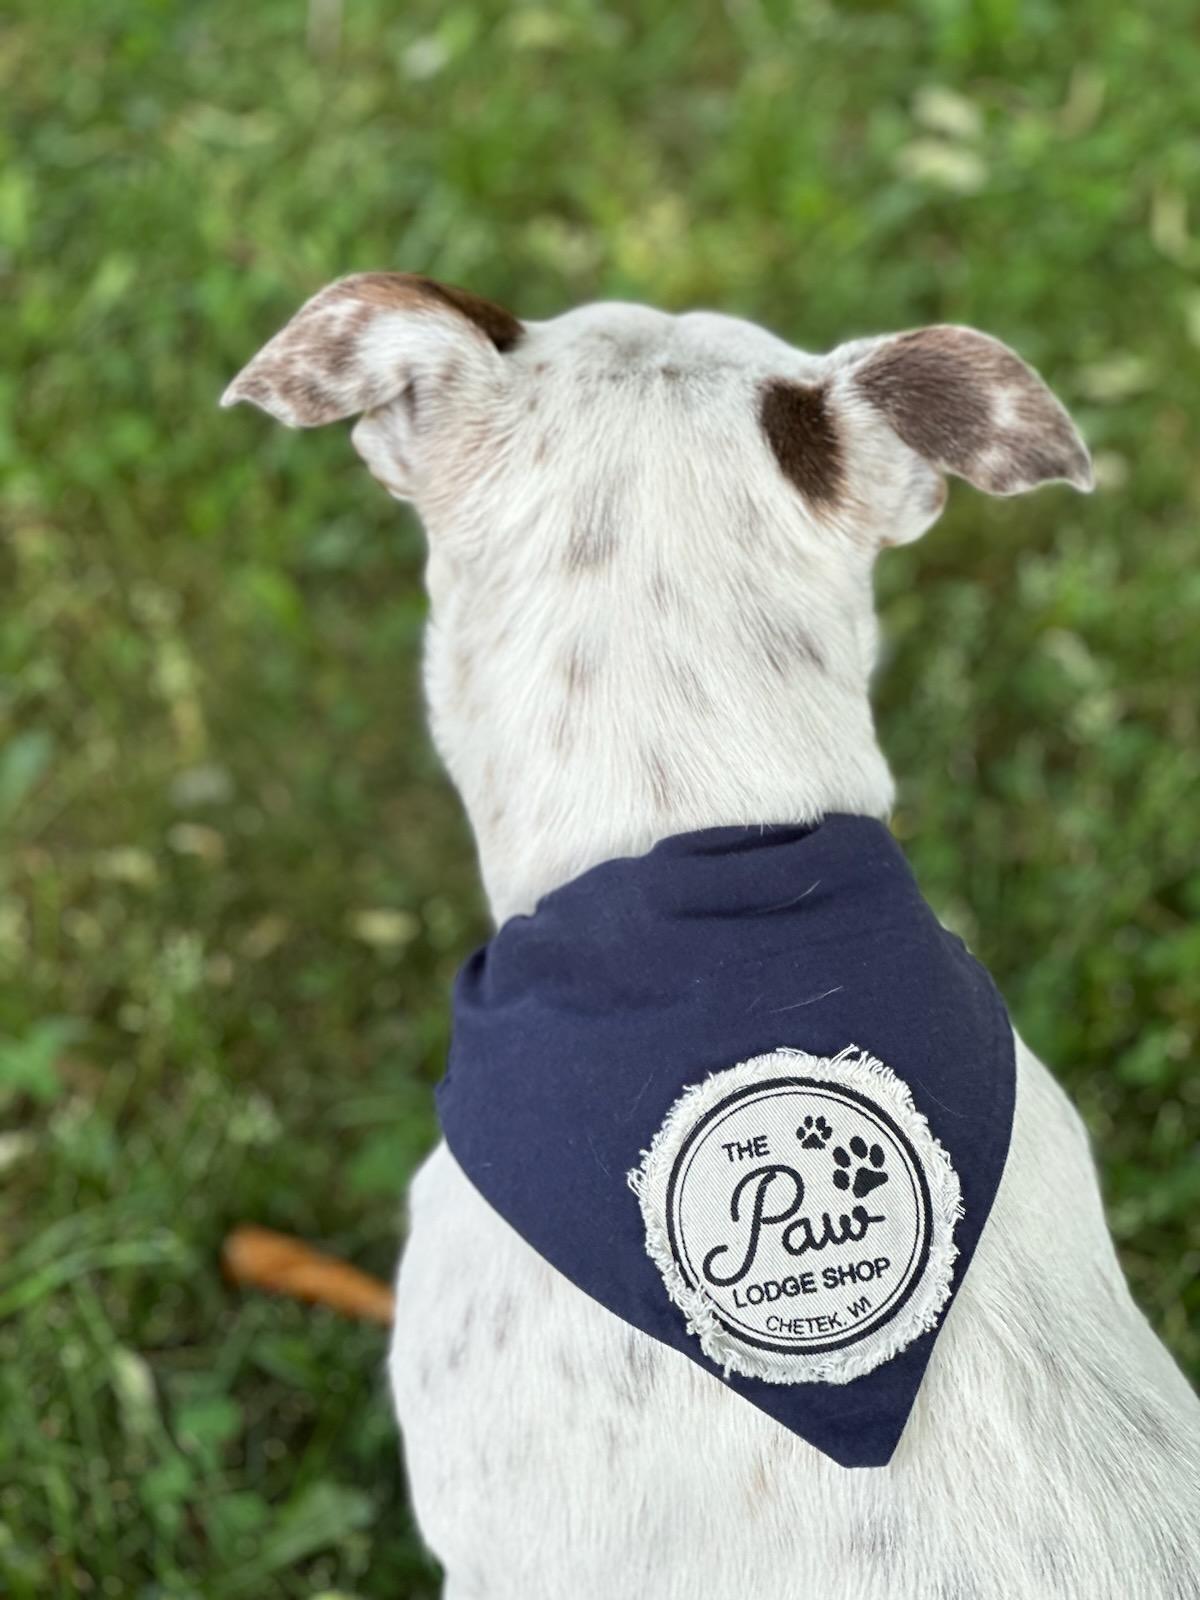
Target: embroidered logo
[[802, 1216]]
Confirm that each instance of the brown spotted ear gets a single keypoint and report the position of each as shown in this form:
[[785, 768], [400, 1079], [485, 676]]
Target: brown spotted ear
[[363, 341], [966, 404]]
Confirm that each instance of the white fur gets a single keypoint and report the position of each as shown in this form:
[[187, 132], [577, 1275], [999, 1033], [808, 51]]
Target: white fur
[[640, 627]]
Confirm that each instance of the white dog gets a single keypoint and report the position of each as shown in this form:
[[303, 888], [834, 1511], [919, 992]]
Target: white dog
[[651, 542]]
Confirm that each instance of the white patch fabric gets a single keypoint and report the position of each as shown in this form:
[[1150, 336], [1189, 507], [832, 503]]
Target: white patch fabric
[[802, 1216]]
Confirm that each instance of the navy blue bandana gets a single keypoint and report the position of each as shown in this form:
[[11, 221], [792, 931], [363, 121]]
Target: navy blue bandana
[[747, 1093]]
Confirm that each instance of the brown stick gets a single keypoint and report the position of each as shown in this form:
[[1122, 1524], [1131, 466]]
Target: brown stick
[[259, 1258]]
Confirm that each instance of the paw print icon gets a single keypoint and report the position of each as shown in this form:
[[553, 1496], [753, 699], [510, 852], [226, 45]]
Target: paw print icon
[[814, 1133], [869, 1162]]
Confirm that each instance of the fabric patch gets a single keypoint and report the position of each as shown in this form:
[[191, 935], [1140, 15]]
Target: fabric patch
[[801, 1214]]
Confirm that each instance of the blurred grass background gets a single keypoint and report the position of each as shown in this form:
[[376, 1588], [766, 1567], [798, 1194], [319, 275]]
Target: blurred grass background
[[234, 884]]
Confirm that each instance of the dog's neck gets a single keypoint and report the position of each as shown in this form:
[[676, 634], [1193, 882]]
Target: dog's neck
[[646, 673], [614, 789]]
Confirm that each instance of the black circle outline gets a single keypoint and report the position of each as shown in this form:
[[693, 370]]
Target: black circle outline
[[901, 1137], [886, 1129]]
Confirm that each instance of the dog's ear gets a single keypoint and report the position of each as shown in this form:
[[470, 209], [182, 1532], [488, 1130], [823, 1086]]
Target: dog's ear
[[869, 445], [363, 341], [969, 405], [408, 352]]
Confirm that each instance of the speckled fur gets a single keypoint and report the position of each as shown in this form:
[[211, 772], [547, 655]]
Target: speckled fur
[[641, 624]]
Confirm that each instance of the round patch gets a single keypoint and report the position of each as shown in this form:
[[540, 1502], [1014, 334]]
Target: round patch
[[802, 1215]]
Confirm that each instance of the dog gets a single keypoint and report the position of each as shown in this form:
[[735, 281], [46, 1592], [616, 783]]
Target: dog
[[650, 550]]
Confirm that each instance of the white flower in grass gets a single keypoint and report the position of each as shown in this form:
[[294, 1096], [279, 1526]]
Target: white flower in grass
[[942, 165]]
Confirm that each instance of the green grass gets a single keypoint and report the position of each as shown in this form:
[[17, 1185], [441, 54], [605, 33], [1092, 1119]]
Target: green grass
[[213, 760]]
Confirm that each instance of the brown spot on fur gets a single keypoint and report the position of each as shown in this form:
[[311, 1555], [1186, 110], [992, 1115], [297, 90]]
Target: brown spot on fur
[[593, 540], [359, 316], [339, 353], [662, 791], [801, 431], [638, 1373], [502, 1320], [568, 1367], [254, 388], [758, 1489], [579, 670], [878, 1538], [782, 641], [307, 398], [456, 1350]]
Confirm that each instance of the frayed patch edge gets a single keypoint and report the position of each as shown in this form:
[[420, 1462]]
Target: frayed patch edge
[[854, 1068]]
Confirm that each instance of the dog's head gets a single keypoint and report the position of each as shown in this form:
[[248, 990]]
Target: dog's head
[[651, 537]]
